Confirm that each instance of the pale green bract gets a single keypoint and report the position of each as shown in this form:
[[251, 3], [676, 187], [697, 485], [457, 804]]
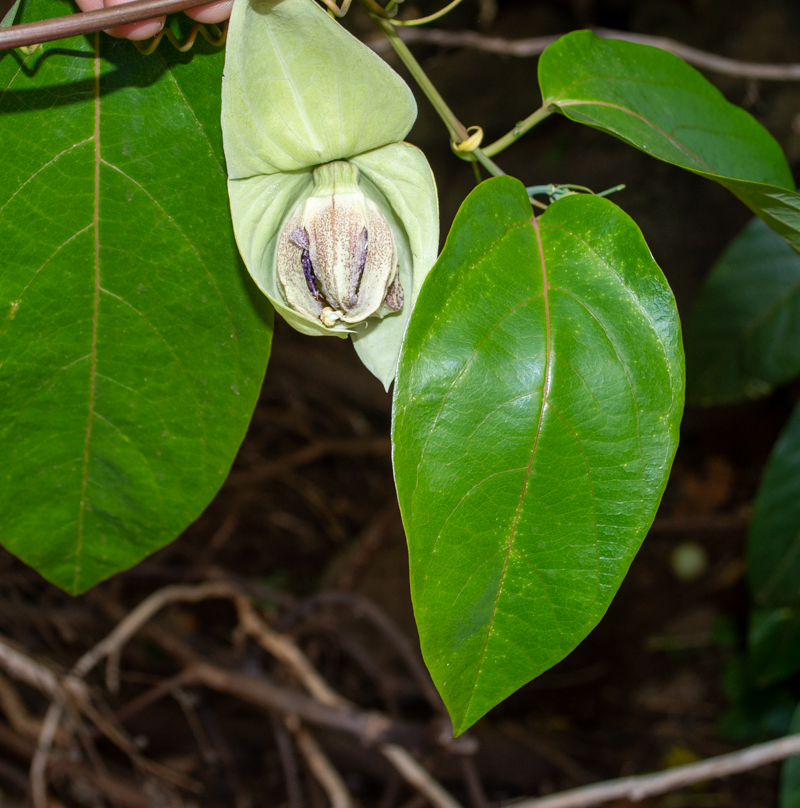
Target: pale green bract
[[298, 92]]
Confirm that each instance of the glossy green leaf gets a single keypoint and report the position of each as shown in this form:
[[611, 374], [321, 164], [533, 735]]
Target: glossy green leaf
[[536, 413], [773, 555], [657, 103], [790, 773], [743, 336], [774, 644], [132, 343]]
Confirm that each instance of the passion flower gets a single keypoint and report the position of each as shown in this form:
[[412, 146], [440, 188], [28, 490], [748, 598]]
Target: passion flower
[[336, 218]]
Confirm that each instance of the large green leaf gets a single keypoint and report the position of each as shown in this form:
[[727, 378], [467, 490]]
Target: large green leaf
[[743, 336], [659, 104], [132, 344], [536, 415], [790, 773], [773, 554]]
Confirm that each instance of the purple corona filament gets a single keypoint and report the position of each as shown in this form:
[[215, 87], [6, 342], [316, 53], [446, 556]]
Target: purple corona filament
[[360, 259], [308, 272], [299, 238]]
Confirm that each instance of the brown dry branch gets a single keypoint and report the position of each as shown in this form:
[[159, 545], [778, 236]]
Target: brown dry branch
[[472, 780], [323, 708], [641, 786], [25, 669], [73, 687], [16, 712], [534, 46], [417, 776], [323, 770], [118, 790], [284, 650], [177, 593], [326, 775], [88, 22], [347, 447], [363, 607], [288, 761]]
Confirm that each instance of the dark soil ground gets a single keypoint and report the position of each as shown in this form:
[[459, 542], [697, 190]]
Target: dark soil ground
[[310, 507]]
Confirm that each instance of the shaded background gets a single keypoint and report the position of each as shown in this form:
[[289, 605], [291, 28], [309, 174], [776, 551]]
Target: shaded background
[[645, 690]]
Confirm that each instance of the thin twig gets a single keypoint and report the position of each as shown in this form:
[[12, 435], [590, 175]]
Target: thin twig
[[418, 777], [110, 645], [119, 739], [472, 780], [52, 721], [288, 761], [364, 607], [117, 789], [16, 712], [149, 697], [641, 786], [347, 447], [27, 670], [145, 610], [283, 649], [87, 22], [533, 46], [322, 769]]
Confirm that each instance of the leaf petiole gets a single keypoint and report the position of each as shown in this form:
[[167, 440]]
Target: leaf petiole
[[457, 131], [519, 130]]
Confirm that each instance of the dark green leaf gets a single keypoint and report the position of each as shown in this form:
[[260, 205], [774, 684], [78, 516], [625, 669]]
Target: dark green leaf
[[132, 345], [790, 773], [535, 419], [773, 554], [755, 713], [743, 337], [657, 103], [774, 644]]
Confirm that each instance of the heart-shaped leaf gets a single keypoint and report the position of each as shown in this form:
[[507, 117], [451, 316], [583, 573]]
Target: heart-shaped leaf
[[743, 336], [659, 104], [132, 344], [536, 415]]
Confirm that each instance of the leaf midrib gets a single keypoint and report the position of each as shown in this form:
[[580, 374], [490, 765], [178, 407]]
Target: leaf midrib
[[545, 391], [96, 302]]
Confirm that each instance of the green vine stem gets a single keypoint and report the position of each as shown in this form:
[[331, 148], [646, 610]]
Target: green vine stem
[[518, 131], [456, 129]]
